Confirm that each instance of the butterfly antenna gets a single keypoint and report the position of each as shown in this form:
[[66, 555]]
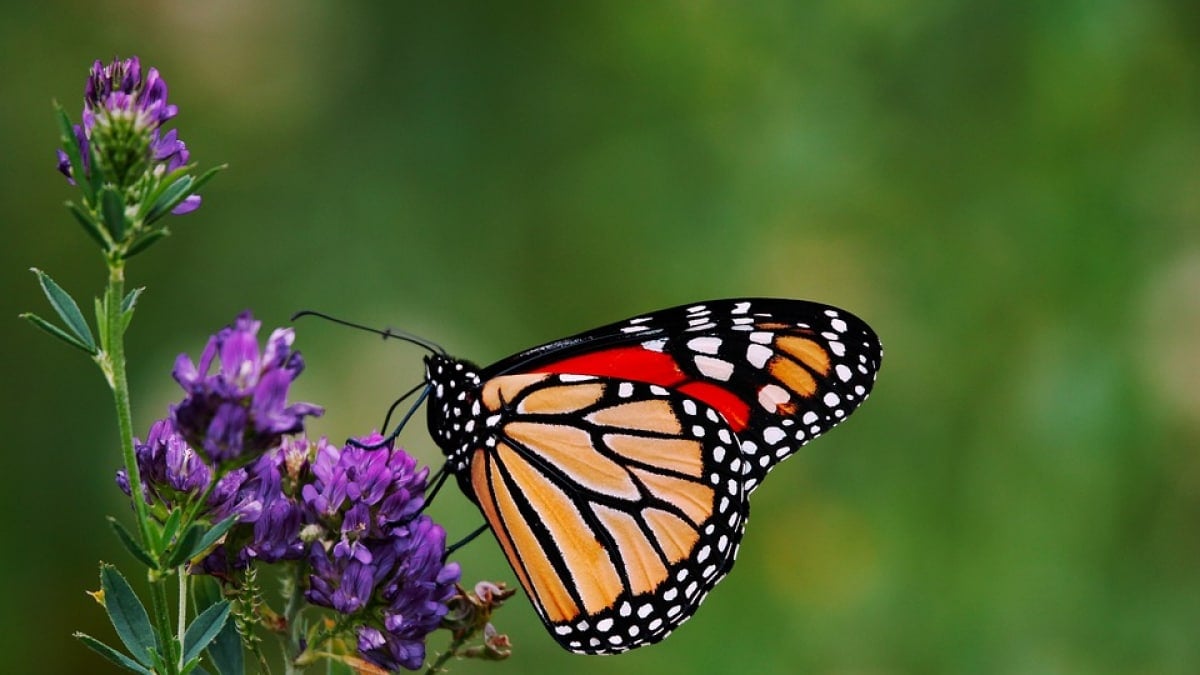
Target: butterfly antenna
[[385, 333]]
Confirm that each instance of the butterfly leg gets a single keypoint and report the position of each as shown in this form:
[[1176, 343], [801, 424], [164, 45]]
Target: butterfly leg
[[399, 427], [465, 540]]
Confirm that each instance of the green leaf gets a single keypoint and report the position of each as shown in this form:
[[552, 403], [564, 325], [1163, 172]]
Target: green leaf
[[204, 628], [95, 172], [207, 176], [64, 304], [128, 616], [111, 654], [170, 198], [192, 543], [160, 186], [181, 551], [226, 652], [56, 331], [90, 225], [101, 323], [131, 544], [112, 207], [192, 666], [205, 591], [131, 299], [127, 307], [144, 242], [169, 529], [71, 146]]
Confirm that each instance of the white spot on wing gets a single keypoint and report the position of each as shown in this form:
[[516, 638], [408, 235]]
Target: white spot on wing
[[715, 368], [655, 345], [771, 396], [741, 308], [758, 355], [705, 345]]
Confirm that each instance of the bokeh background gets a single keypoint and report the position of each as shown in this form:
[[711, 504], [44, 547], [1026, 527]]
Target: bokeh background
[[1008, 191]]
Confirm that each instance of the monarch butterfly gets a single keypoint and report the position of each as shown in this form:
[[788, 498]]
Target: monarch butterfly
[[614, 467]]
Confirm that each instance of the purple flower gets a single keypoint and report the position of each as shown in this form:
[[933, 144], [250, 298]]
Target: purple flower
[[239, 410], [117, 96], [379, 559], [170, 470]]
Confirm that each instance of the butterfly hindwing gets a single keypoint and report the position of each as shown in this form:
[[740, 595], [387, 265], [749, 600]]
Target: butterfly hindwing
[[614, 502]]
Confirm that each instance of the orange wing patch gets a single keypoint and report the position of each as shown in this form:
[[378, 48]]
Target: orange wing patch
[[570, 449], [596, 580], [653, 415], [806, 351], [694, 499], [675, 536], [643, 567], [501, 390], [561, 399], [673, 454]]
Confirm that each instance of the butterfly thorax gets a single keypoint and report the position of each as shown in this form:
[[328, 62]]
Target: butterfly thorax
[[453, 405]]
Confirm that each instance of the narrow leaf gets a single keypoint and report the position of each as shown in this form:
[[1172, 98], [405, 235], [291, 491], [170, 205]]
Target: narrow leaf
[[101, 323], [66, 134], [181, 551], [111, 654], [226, 652], [205, 591], [149, 200], [112, 207], [127, 306], [144, 242], [169, 529], [90, 225], [207, 176], [170, 198], [65, 305], [204, 628], [95, 172], [131, 299], [56, 332], [128, 615], [131, 544], [191, 544]]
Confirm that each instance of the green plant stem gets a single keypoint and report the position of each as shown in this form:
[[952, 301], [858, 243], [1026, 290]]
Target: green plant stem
[[181, 572], [162, 622], [112, 362], [451, 650]]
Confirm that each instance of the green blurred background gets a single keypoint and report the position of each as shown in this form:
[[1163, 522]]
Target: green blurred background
[[1008, 191]]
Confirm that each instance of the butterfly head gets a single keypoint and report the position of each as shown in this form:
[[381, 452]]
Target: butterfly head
[[453, 403]]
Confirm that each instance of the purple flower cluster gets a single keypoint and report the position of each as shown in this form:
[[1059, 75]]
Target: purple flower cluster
[[173, 474], [380, 560], [351, 514], [119, 93], [240, 410]]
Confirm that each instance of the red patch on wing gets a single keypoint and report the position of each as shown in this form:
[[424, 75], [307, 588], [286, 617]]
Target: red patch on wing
[[623, 363], [639, 364], [731, 406]]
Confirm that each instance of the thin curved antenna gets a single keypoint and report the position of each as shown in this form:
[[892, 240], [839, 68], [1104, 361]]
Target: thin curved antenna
[[384, 333]]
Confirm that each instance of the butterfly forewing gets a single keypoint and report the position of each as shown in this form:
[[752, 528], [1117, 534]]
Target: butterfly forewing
[[781, 372]]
